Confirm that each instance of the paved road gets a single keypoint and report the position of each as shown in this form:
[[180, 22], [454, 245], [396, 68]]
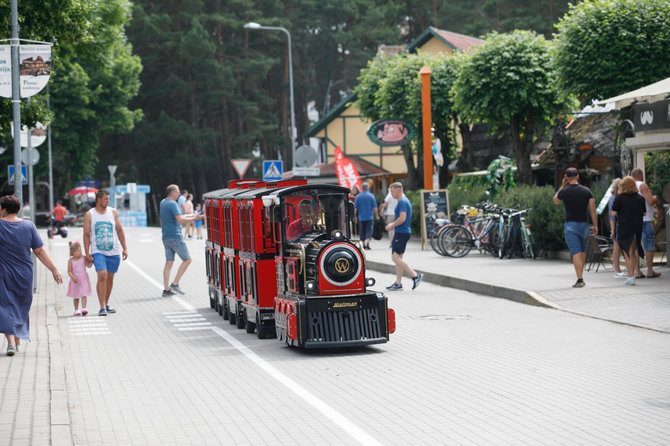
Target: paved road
[[461, 369]]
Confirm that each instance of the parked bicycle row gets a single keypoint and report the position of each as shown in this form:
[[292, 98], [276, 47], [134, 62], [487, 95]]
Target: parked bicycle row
[[487, 227]]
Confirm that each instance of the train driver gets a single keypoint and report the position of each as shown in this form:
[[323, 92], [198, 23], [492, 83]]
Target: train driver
[[304, 223]]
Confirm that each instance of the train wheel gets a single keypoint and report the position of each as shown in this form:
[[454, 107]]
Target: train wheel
[[212, 301], [250, 326], [231, 316], [240, 320]]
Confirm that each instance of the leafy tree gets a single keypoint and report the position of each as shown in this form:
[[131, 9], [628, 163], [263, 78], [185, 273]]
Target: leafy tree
[[93, 77], [390, 88], [508, 83], [480, 17], [607, 47]]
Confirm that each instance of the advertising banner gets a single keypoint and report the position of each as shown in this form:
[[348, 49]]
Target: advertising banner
[[391, 132], [34, 69], [347, 174]]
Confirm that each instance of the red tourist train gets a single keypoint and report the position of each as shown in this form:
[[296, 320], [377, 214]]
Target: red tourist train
[[281, 262]]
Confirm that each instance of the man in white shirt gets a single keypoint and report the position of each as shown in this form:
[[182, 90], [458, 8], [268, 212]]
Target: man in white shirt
[[388, 210]]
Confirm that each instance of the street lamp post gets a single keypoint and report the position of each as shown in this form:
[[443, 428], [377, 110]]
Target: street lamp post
[[253, 25]]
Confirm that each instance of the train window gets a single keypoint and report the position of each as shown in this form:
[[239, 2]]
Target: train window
[[251, 228], [316, 211], [266, 222]]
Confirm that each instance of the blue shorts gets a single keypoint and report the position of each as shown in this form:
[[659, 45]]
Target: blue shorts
[[106, 263], [175, 245], [399, 242], [576, 234], [648, 241], [365, 229]]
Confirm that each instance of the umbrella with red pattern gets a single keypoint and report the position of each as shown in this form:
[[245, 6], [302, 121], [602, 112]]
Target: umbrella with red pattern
[[82, 190]]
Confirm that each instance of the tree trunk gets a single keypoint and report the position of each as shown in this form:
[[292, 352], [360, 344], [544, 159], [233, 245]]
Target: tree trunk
[[467, 159], [523, 146], [412, 175]]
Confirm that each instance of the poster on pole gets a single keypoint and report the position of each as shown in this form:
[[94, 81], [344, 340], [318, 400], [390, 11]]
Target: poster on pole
[[434, 205], [34, 69]]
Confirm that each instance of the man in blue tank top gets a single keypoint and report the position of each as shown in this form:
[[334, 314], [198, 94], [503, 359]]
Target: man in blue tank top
[[104, 245], [172, 217]]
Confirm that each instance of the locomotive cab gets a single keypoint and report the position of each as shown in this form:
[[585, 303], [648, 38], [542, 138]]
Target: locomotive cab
[[323, 300]]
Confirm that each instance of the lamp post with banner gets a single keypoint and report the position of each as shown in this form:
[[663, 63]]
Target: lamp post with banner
[[28, 73]]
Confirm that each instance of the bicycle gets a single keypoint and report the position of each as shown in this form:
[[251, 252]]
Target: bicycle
[[517, 238], [458, 241]]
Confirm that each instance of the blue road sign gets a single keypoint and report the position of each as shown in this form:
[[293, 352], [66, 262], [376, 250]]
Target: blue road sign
[[24, 174], [273, 170], [91, 183]]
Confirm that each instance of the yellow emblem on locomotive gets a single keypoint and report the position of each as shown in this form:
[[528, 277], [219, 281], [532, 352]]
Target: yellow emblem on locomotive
[[345, 304], [342, 265]]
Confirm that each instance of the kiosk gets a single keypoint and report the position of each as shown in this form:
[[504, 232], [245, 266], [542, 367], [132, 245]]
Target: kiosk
[[131, 202]]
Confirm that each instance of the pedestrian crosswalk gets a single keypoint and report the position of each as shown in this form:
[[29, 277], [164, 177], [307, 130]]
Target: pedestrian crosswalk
[[188, 320], [80, 326]]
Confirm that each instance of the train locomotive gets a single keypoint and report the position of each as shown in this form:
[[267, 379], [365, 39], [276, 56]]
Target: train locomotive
[[281, 262]]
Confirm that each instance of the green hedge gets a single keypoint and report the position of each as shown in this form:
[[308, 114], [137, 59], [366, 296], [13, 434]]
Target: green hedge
[[546, 219]]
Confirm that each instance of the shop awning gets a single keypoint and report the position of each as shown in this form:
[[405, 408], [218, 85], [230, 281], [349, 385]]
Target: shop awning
[[657, 91]]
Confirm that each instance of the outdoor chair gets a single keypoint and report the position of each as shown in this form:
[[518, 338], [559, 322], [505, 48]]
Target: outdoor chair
[[598, 250]]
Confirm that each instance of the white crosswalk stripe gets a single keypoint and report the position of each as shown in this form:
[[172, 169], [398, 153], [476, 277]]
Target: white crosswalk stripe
[[88, 326], [188, 320]]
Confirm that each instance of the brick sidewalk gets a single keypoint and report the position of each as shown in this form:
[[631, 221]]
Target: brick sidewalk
[[33, 408], [544, 282]]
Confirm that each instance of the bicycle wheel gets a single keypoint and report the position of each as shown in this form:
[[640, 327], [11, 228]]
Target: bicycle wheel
[[528, 245], [435, 240], [512, 247], [504, 240], [493, 240], [456, 241]]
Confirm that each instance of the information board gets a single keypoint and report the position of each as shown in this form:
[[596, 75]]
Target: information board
[[434, 205]]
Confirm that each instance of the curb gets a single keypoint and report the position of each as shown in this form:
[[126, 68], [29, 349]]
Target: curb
[[521, 296], [525, 297], [59, 410]]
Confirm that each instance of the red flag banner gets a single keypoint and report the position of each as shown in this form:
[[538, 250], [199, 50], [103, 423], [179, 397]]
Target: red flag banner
[[347, 174]]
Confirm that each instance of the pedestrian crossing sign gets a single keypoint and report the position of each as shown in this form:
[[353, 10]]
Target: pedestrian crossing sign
[[273, 170], [24, 174]]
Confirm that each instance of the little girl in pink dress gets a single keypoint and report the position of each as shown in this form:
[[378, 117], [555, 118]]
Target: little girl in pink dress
[[80, 286]]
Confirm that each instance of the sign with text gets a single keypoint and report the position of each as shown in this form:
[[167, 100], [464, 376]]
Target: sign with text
[[434, 205], [34, 69], [306, 171]]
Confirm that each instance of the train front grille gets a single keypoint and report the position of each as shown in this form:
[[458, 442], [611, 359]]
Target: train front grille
[[342, 326]]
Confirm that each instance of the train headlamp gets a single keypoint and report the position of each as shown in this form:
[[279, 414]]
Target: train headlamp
[[370, 281]]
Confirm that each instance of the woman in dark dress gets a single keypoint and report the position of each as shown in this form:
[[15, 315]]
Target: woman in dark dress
[[17, 238], [629, 208]]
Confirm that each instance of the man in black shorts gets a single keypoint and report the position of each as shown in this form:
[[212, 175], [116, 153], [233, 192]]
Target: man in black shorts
[[577, 199], [403, 231]]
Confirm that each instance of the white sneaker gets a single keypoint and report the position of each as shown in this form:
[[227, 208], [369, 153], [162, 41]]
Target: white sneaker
[[630, 281], [620, 275]]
